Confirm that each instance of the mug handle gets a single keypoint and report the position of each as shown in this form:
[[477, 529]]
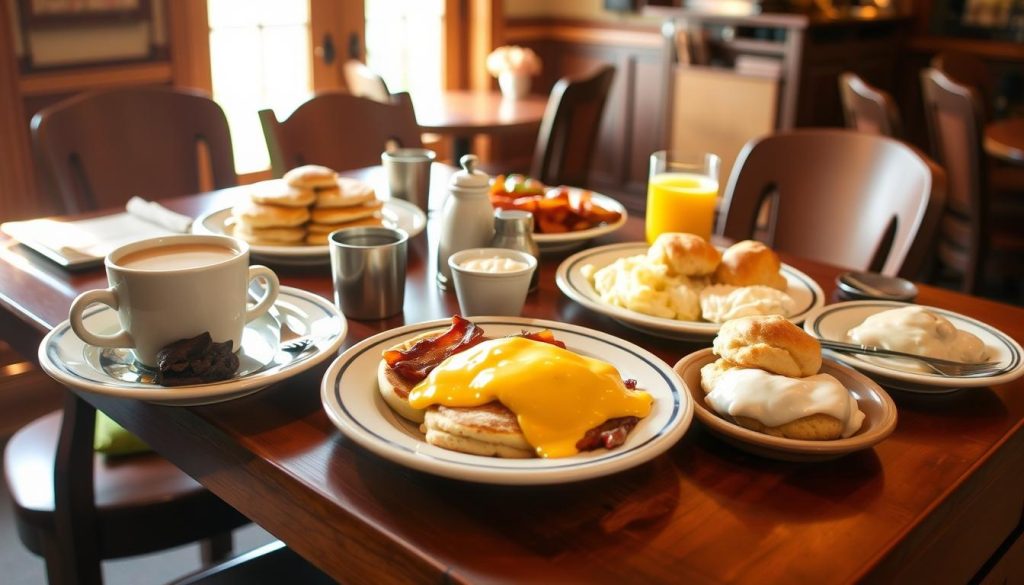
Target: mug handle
[[106, 297], [269, 295]]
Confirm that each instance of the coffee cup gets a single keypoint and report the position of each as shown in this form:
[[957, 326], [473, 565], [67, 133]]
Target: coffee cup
[[175, 287]]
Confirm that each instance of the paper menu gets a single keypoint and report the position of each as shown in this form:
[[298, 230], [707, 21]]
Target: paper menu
[[85, 242]]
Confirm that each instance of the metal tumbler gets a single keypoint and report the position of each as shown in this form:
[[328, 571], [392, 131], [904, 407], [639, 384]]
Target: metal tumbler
[[408, 171], [368, 266]]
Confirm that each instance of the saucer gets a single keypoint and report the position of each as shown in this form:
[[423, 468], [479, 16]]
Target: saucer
[[112, 372]]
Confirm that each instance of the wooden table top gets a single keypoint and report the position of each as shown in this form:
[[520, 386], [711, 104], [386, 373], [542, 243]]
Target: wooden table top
[[930, 503], [1004, 139], [466, 112]]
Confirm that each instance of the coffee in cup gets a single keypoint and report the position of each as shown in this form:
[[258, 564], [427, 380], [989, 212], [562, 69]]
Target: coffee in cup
[[176, 287]]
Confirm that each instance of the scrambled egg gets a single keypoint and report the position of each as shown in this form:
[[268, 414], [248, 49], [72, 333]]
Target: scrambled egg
[[646, 286]]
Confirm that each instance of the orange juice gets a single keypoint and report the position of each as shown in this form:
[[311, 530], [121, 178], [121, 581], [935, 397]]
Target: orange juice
[[680, 202]]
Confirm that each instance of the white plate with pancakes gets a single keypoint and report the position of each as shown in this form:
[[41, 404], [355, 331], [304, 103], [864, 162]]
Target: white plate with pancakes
[[571, 279], [575, 239], [878, 408], [834, 321], [353, 403], [71, 361], [394, 213]]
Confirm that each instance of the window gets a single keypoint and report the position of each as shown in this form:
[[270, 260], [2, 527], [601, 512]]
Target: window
[[259, 58], [404, 40]]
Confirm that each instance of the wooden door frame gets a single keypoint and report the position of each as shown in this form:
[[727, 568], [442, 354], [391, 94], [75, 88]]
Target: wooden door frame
[[18, 188]]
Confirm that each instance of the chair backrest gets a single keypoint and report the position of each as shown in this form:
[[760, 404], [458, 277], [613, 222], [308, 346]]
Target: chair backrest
[[364, 82], [340, 131], [100, 148], [850, 199], [569, 129], [955, 124], [868, 109], [972, 71]]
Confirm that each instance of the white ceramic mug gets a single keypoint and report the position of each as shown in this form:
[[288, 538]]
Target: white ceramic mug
[[176, 287]]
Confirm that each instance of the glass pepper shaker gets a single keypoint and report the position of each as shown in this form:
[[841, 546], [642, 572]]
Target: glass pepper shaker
[[513, 229]]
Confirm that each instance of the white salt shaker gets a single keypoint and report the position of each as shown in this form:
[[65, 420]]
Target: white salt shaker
[[467, 218]]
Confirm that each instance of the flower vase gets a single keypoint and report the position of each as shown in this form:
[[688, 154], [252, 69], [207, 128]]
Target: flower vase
[[514, 86]]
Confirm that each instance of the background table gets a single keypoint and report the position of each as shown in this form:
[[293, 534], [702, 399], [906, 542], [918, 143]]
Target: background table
[[462, 114], [1004, 139], [933, 503]]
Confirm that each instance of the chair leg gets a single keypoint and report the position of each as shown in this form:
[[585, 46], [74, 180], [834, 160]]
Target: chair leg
[[216, 548]]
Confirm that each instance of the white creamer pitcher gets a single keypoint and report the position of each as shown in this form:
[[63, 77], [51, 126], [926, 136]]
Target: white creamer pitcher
[[467, 219]]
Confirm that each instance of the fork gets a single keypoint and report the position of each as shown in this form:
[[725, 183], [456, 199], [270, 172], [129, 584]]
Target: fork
[[939, 366]]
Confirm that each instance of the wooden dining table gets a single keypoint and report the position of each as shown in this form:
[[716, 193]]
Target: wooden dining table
[[938, 501], [1004, 139], [464, 114]]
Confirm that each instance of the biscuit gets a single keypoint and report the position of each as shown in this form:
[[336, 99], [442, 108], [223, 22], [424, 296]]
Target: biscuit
[[338, 215], [814, 427], [710, 373], [748, 263], [349, 192], [278, 192], [259, 215], [685, 254], [311, 177], [770, 343]]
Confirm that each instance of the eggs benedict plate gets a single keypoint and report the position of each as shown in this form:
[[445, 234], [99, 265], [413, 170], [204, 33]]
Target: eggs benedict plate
[[352, 397]]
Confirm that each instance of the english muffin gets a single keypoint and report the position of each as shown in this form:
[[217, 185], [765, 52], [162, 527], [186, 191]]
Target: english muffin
[[278, 192], [258, 215], [311, 177], [339, 215], [270, 235], [346, 193], [490, 430]]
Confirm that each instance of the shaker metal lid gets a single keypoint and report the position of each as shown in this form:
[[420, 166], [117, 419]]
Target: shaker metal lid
[[469, 177]]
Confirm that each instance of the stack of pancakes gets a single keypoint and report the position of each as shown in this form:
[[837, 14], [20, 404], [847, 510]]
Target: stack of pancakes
[[305, 206]]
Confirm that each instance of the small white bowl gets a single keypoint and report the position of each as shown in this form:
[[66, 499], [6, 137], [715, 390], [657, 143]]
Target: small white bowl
[[491, 293]]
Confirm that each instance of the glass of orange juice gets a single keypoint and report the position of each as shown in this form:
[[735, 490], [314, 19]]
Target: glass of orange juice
[[682, 191]]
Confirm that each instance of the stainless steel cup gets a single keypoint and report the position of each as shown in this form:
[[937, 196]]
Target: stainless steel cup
[[368, 266], [408, 171]]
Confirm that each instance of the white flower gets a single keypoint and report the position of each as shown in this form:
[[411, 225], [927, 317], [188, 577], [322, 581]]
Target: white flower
[[513, 59]]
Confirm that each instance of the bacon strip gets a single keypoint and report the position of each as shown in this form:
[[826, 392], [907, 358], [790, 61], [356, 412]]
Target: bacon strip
[[609, 434], [545, 336], [415, 363]]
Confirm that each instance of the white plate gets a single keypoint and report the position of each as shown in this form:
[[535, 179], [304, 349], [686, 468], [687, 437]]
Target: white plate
[[352, 401], [395, 212], [806, 294], [71, 361], [834, 321], [572, 240]]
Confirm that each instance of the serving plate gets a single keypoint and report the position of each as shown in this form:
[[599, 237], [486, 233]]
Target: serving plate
[[395, 213], [834, 321], [353, 403], [878, 408], [573, 240], [71, 361], [806, 294]]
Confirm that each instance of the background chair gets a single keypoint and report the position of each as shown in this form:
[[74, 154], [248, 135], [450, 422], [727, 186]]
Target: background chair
[[340, 131], [569, 129], [364, 82], [970, 234], [840, 197], [868, 109], [100, 148]]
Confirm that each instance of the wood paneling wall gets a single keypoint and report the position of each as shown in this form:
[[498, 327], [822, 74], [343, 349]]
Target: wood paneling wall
[[632, 127], [18, 193]]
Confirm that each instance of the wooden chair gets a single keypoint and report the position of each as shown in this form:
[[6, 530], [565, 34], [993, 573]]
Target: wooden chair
[[868, 109], [340, 131], [99, 148], [969, 235], [569, 129], [364, 82], [845, 198], [971, 71]]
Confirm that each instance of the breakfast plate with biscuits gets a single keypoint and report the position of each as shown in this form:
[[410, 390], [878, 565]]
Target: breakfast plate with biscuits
[[765, 388], [287, 220], [430, 396], [114, 372], [682, 287], [919, 330]]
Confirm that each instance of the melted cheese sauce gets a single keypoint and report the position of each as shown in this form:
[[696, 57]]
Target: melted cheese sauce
[[776, 400], [557, 395], [918, 331]]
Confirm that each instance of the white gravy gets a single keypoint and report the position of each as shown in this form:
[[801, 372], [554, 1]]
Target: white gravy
[[920, 332]]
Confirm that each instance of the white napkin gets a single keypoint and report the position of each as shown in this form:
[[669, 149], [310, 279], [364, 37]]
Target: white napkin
[[155, 213]]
